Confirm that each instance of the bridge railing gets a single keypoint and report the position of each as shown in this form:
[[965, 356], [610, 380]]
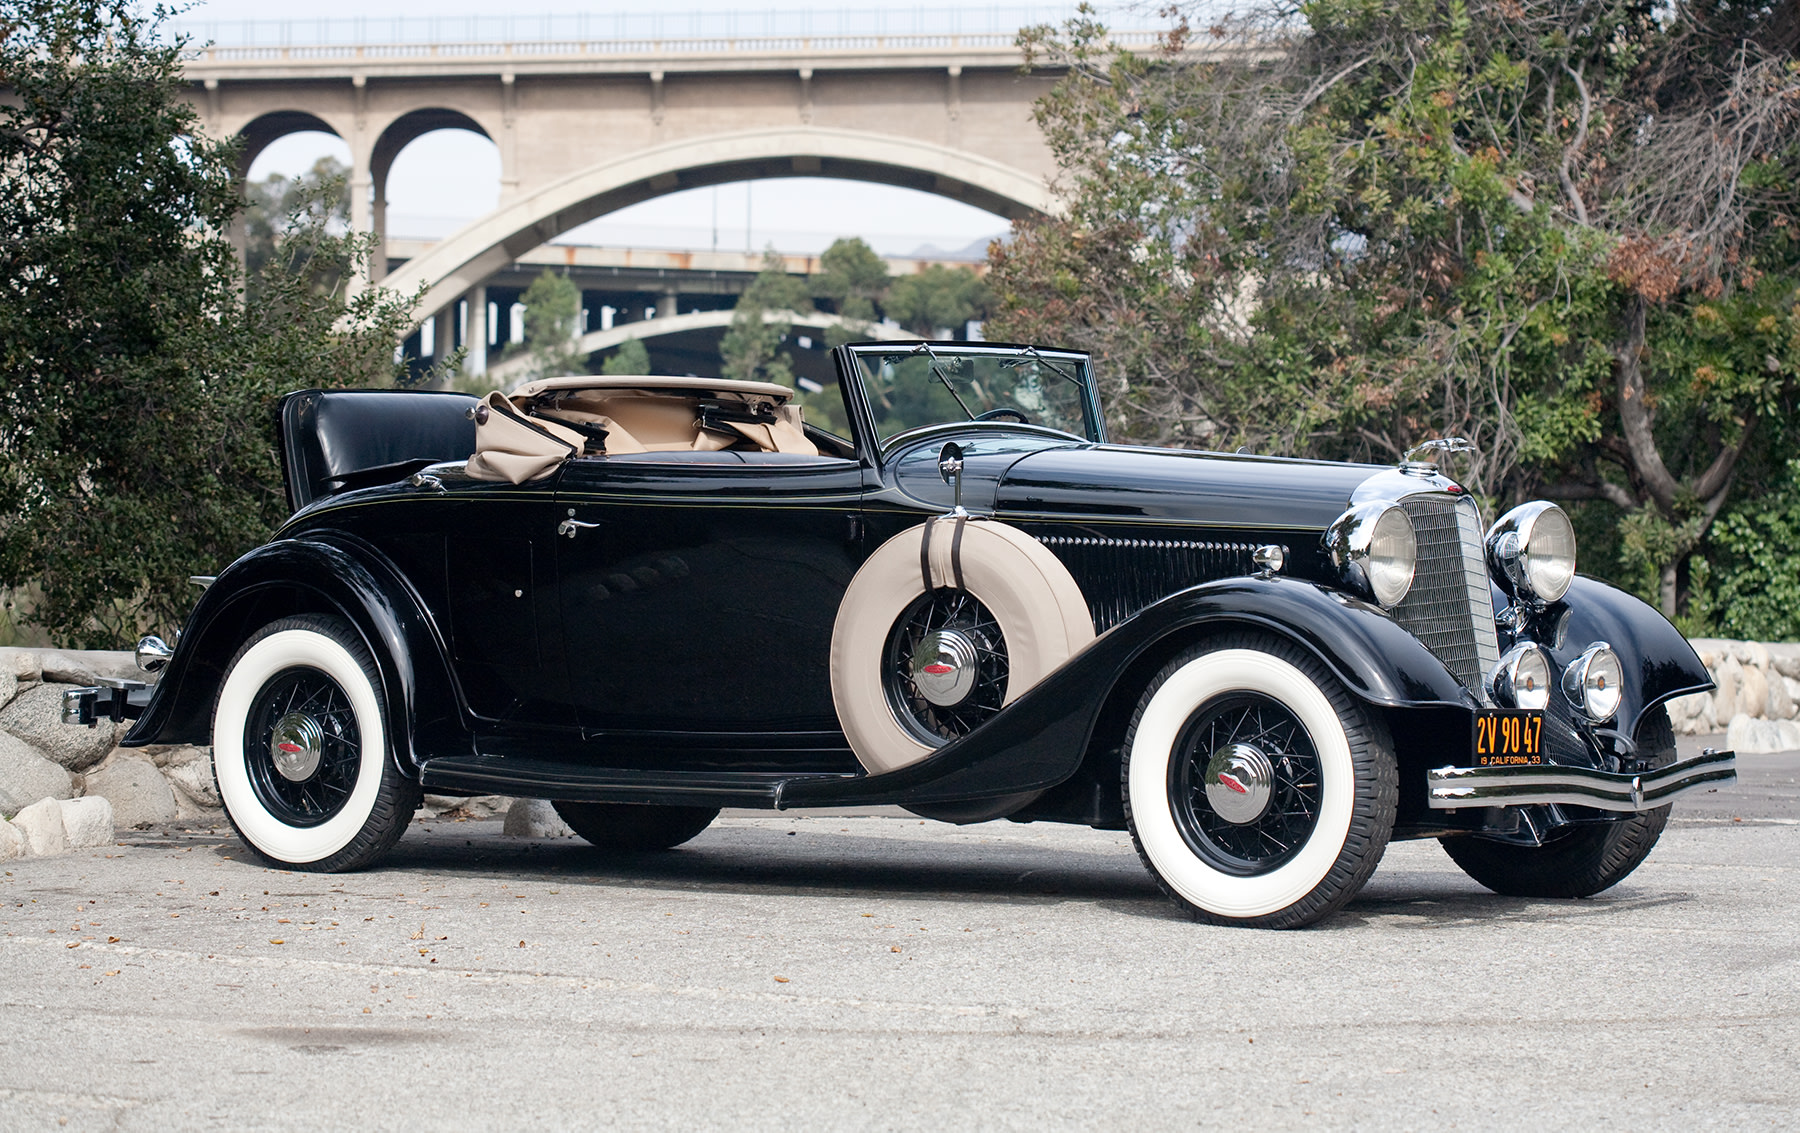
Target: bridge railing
[[649, 48]]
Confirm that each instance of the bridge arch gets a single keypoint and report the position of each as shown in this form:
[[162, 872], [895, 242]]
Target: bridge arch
[[483, 247], [266, 129]]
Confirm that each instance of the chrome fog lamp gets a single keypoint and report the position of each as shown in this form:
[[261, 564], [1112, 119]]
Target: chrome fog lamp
[[1374, 549], [1595, 682], [1522, 678], [1531, 550]]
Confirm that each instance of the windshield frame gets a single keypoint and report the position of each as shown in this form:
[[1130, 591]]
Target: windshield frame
[[850, 369]]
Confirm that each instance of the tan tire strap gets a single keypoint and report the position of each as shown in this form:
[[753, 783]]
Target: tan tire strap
[[925, 555], [956, 552]]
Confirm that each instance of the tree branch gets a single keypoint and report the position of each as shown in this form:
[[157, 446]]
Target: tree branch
[[1634, 413], [1594, 490], [1575, 147]]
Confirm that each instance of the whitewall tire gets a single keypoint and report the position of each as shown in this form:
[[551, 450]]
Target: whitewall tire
[[1257, 790], [301, 748], [1003, 607]]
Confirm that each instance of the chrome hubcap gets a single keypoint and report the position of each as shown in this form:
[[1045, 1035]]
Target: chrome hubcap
[[296, 746], [1239, 782], [943, 667]]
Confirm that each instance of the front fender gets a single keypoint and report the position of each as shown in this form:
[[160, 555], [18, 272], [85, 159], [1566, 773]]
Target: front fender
[[325, 573], [1040, 739], [1656, 659]]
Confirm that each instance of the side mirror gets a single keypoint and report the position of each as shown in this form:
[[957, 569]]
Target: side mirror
[[950, 467]]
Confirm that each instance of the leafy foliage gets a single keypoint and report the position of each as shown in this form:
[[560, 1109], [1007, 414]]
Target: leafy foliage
[[852, 277], [935, 299], [274, 204], [632, 357], [1564, 229], [751, 348], [552, 316], [137, 380]]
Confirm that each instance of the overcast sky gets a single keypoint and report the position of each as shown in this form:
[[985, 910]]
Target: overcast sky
[[445, 179]]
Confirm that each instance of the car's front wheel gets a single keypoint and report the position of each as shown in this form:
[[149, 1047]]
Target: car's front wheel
[[1258, 791], [300, 749], [1583, 861]]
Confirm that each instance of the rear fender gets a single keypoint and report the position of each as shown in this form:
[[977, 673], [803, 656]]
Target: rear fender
[[1040, 739], [332, 574]]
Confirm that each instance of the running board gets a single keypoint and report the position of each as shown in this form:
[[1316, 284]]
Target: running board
[[547, 779]]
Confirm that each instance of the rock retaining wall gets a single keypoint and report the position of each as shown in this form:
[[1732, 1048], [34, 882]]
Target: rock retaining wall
[[1757, 703]]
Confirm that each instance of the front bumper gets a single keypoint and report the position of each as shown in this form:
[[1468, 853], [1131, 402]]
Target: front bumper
[[110, 700], [1453, 787]]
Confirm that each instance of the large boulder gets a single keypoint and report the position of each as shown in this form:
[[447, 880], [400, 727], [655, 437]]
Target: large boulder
[[87, 821], [1749, 736], [26, 776], [12, 843], [139, 794], [194, 785], [41, 824], [35, 716]]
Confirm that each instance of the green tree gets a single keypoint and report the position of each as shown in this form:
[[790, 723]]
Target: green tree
[[854, 278], [936, 298], [632, 357], [137, 383], [316, 199], [1563, 229], [761, 321], [552, 319]]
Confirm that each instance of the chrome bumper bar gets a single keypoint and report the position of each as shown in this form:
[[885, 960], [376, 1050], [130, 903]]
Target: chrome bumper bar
[[112, 699], [1452, 787]]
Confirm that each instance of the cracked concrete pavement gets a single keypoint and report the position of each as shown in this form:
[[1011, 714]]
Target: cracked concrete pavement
[[869, 970]]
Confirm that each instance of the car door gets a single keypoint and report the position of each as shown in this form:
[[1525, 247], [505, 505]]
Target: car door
[[698, 596]]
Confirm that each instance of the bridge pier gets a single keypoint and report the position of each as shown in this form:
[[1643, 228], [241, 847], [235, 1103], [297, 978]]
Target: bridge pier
[[477, 341]]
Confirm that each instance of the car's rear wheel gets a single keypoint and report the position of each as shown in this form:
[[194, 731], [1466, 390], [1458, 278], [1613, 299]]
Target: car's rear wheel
[[635, 827], [1257, 790], [300, 749], [1586, 860]]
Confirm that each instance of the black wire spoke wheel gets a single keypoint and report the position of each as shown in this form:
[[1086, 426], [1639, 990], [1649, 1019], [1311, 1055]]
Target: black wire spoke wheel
[[1245, 788], [302, 747], [945, 666]]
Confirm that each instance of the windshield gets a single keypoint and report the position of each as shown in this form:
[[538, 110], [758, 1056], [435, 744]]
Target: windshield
[[910, 387]]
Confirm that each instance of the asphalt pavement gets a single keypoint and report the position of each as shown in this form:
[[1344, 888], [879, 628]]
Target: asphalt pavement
[[869, 970]]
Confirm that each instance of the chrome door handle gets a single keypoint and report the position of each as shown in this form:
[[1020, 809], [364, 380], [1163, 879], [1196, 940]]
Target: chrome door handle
[[569, 527]]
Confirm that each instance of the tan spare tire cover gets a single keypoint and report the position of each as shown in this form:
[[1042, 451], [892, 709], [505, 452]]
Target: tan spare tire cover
[[1036, 602]]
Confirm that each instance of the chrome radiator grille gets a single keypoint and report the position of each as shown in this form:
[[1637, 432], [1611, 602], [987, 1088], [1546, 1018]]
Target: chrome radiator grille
[[1449, 607]]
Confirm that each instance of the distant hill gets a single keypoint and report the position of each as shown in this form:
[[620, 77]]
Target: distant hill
[[972, 253]]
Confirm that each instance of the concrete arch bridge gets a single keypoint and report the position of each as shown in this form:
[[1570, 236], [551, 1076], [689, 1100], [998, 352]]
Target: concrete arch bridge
[[584, 128]]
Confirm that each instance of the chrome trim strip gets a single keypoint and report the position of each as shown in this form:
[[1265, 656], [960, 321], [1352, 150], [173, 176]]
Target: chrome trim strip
[[1453, 787]]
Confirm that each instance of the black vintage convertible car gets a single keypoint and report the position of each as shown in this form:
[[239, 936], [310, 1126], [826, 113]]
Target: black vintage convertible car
[[932, 584]]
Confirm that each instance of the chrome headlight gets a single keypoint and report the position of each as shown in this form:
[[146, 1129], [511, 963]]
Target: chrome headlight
[[1531, 550], [1595, 682], [1522, 678], [1374, 549]]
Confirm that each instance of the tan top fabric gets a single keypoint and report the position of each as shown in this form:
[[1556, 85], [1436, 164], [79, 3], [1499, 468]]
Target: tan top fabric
[[653, 382], [514, 448]]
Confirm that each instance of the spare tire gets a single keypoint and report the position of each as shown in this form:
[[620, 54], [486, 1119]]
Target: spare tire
[[944, 625]]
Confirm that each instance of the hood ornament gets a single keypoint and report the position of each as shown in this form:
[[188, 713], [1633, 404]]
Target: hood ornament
[[1417, 461]]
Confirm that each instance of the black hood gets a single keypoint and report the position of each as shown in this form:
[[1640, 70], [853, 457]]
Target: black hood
[[1178, 485]]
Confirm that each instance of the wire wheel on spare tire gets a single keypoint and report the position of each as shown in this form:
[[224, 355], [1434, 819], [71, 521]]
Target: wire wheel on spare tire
[[944, 625], [301, 748], [1585, 860], [1257, 790]]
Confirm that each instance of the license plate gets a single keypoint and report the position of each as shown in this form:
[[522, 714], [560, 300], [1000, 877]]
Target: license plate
[[1508, 737]]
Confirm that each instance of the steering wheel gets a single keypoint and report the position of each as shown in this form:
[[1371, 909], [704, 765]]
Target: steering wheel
[[1004, 411]]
